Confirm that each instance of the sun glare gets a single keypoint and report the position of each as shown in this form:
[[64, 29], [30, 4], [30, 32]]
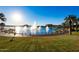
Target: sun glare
[[17, 18]]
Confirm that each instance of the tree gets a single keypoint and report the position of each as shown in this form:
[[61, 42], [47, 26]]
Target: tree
[[77, 25], [70, 20], [63, 24], [49, 25], [2, 25], [2, 18]]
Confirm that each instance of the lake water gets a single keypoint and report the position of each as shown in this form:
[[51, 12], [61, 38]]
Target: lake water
[[35, 31]]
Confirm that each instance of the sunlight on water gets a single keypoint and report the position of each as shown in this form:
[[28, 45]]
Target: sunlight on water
[[34, 30], [18, 29]]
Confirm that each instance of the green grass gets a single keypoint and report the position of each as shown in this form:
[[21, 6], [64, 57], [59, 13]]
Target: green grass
[[64, 43]]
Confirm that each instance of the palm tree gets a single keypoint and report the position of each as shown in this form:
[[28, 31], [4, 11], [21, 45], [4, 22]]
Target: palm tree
[[71, 20], [2, 18], [77, 24], [63, 24]]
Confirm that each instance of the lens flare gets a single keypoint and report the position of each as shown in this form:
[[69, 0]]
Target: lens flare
[[17, 18]]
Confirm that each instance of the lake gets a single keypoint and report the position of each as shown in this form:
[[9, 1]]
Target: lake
[[35, 31]]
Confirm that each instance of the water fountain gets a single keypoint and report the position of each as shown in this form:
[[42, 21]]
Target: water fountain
[[42, 30], [47, 29], [26, 30], [34, 29], [39, 30]]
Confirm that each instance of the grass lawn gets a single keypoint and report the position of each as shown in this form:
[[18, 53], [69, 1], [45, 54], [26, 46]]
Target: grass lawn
[[41, 43]]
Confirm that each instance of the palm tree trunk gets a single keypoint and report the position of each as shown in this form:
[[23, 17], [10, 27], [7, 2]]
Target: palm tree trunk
[[76, 26], [70, 32]]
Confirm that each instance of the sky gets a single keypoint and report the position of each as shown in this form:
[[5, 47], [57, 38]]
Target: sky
[[17, 15]]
